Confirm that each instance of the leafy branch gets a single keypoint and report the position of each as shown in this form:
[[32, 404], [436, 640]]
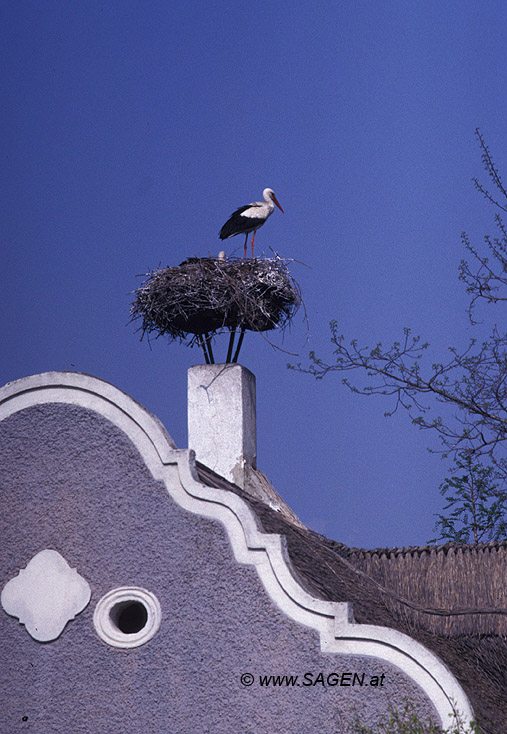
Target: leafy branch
[[406, 720], [478, 504]]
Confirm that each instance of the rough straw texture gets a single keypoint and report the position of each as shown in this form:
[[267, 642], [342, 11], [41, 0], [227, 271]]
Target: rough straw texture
[[206, 295], [458, 577]]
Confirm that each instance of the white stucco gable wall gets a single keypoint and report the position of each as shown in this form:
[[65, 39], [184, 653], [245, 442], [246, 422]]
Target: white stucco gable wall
[[266, 552]]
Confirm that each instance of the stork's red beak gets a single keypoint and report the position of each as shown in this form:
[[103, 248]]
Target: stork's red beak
[[278, 204]]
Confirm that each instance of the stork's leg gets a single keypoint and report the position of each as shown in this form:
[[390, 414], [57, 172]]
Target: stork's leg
[[246, 240], [252, 242]]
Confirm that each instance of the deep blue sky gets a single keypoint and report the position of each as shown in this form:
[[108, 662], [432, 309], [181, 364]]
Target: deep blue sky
[[131, 130]]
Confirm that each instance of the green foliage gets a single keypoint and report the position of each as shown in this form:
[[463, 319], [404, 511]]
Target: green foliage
[[407, 721], [478, 506]]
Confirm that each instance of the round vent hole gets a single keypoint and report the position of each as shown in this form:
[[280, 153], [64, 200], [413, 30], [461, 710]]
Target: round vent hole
[[129, 616]]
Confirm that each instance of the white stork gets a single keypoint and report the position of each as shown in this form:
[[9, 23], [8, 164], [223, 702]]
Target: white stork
[[250, 217]]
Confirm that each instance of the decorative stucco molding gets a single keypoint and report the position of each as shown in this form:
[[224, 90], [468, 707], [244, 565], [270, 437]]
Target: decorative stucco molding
[[266, 552], [46, 595]]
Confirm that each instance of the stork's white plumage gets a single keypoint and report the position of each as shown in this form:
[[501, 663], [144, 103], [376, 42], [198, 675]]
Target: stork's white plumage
[[250, 217]]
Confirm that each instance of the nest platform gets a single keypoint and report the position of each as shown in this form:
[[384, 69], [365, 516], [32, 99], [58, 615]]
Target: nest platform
[[202, 297]]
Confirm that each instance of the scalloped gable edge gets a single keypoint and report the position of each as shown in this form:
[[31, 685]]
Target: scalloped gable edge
[[334, 621]]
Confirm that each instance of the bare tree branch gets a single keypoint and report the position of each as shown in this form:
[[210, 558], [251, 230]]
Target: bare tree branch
[[463, 398]]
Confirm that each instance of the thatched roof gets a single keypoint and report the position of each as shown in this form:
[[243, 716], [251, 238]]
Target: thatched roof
[[334, 572], [435, 579]]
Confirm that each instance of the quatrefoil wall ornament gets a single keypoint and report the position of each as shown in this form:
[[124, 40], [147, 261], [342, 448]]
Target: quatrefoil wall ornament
[[46, 595]]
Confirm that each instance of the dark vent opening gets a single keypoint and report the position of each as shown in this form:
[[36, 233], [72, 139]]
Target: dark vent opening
[[129, 616]]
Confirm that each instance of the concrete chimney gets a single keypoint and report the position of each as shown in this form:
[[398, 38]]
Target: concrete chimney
[[221, 419]]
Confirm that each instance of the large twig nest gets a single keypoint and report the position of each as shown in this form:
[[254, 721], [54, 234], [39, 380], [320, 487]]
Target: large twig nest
[[206, 295]]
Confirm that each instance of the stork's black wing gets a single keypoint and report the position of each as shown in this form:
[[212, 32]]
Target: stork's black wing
[[236, 224]]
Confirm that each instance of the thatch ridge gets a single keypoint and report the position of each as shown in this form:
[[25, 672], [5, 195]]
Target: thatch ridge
[[430, 548], [466, 584]]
